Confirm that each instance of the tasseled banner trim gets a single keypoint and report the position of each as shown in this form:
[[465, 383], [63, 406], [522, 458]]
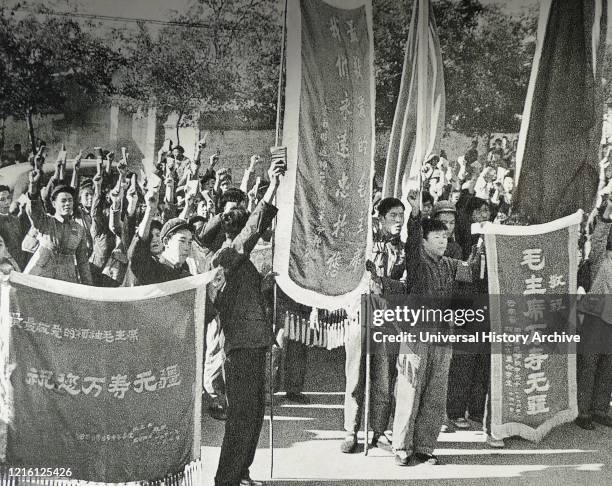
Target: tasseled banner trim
[[192, 475], [323, 329]]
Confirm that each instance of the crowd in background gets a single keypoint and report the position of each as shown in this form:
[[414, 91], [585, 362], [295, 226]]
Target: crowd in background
[[118, 228]]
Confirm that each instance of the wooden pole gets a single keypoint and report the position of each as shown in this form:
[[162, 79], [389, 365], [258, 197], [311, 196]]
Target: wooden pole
[[279, 99]]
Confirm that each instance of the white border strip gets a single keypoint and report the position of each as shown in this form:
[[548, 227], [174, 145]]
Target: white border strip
[[121, 294], [532, 230]]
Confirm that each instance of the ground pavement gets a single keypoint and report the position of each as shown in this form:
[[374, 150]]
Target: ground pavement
[[307, 448]]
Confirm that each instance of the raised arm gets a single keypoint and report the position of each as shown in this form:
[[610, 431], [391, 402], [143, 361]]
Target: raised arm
[[246, 177], [36, 211], [151, 200], [259, 220]]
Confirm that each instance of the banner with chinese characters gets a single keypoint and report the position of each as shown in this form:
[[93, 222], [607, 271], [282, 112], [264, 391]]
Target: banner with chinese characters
[[106, 382], [324, 225], [532, 273]]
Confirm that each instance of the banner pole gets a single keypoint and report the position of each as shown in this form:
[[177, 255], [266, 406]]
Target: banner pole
[[274, 305], [362, 319], [280, 77]]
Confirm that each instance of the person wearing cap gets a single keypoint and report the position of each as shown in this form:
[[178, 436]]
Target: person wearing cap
[[176, 236], [445, 211], [62, 240]]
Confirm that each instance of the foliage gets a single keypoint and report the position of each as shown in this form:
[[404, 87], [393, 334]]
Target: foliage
[[486, 55], [43, 63], [227, 63], [48, 64]]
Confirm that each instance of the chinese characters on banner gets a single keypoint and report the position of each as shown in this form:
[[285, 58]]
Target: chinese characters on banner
[[532, 284], [105, 382], [324, 220]]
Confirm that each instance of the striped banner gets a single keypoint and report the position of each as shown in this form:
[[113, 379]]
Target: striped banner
[[558, 148], [419, 116], [323, 231]]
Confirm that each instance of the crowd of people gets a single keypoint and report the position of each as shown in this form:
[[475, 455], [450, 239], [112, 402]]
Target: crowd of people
[[113, 230], [419, 389], [187, 217]]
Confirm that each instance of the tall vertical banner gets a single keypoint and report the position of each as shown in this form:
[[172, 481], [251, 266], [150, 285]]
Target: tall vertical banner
[[323, 226], [558, 149], [420, 112], [106, 383], [532, 285]]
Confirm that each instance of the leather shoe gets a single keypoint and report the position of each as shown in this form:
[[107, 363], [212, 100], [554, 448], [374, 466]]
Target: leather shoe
[[494, 442], [402, 458], [584, 423], [217, 412], [382, 442], [427, 459], [349, 444], [602, 419], [297, 397], [250, 482]]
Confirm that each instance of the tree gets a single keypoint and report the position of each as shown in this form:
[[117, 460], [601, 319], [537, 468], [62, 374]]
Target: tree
[[45, 63], [487, 60], [487, 87], [225, 63]]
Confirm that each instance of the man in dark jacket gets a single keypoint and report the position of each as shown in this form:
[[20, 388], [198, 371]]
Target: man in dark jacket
[[248, 334]]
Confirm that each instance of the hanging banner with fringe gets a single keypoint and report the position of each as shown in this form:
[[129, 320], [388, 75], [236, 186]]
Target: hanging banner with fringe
[[106, 383], [532, 273], [324, 225]]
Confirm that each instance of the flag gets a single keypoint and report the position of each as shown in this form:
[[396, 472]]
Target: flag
[[557, 153], [532, 277], [419, 115], [105, 383], [323, 230]]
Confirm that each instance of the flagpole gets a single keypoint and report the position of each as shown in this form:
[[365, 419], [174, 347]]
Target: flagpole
[[274, 304]]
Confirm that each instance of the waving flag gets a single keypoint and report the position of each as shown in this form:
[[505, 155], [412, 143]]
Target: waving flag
[[558, 146], [419, 115]]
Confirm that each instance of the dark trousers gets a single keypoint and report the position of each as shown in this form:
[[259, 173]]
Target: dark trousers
[[295, 357], [245, 389], [594, 367], [383, 372], [468, 382]]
